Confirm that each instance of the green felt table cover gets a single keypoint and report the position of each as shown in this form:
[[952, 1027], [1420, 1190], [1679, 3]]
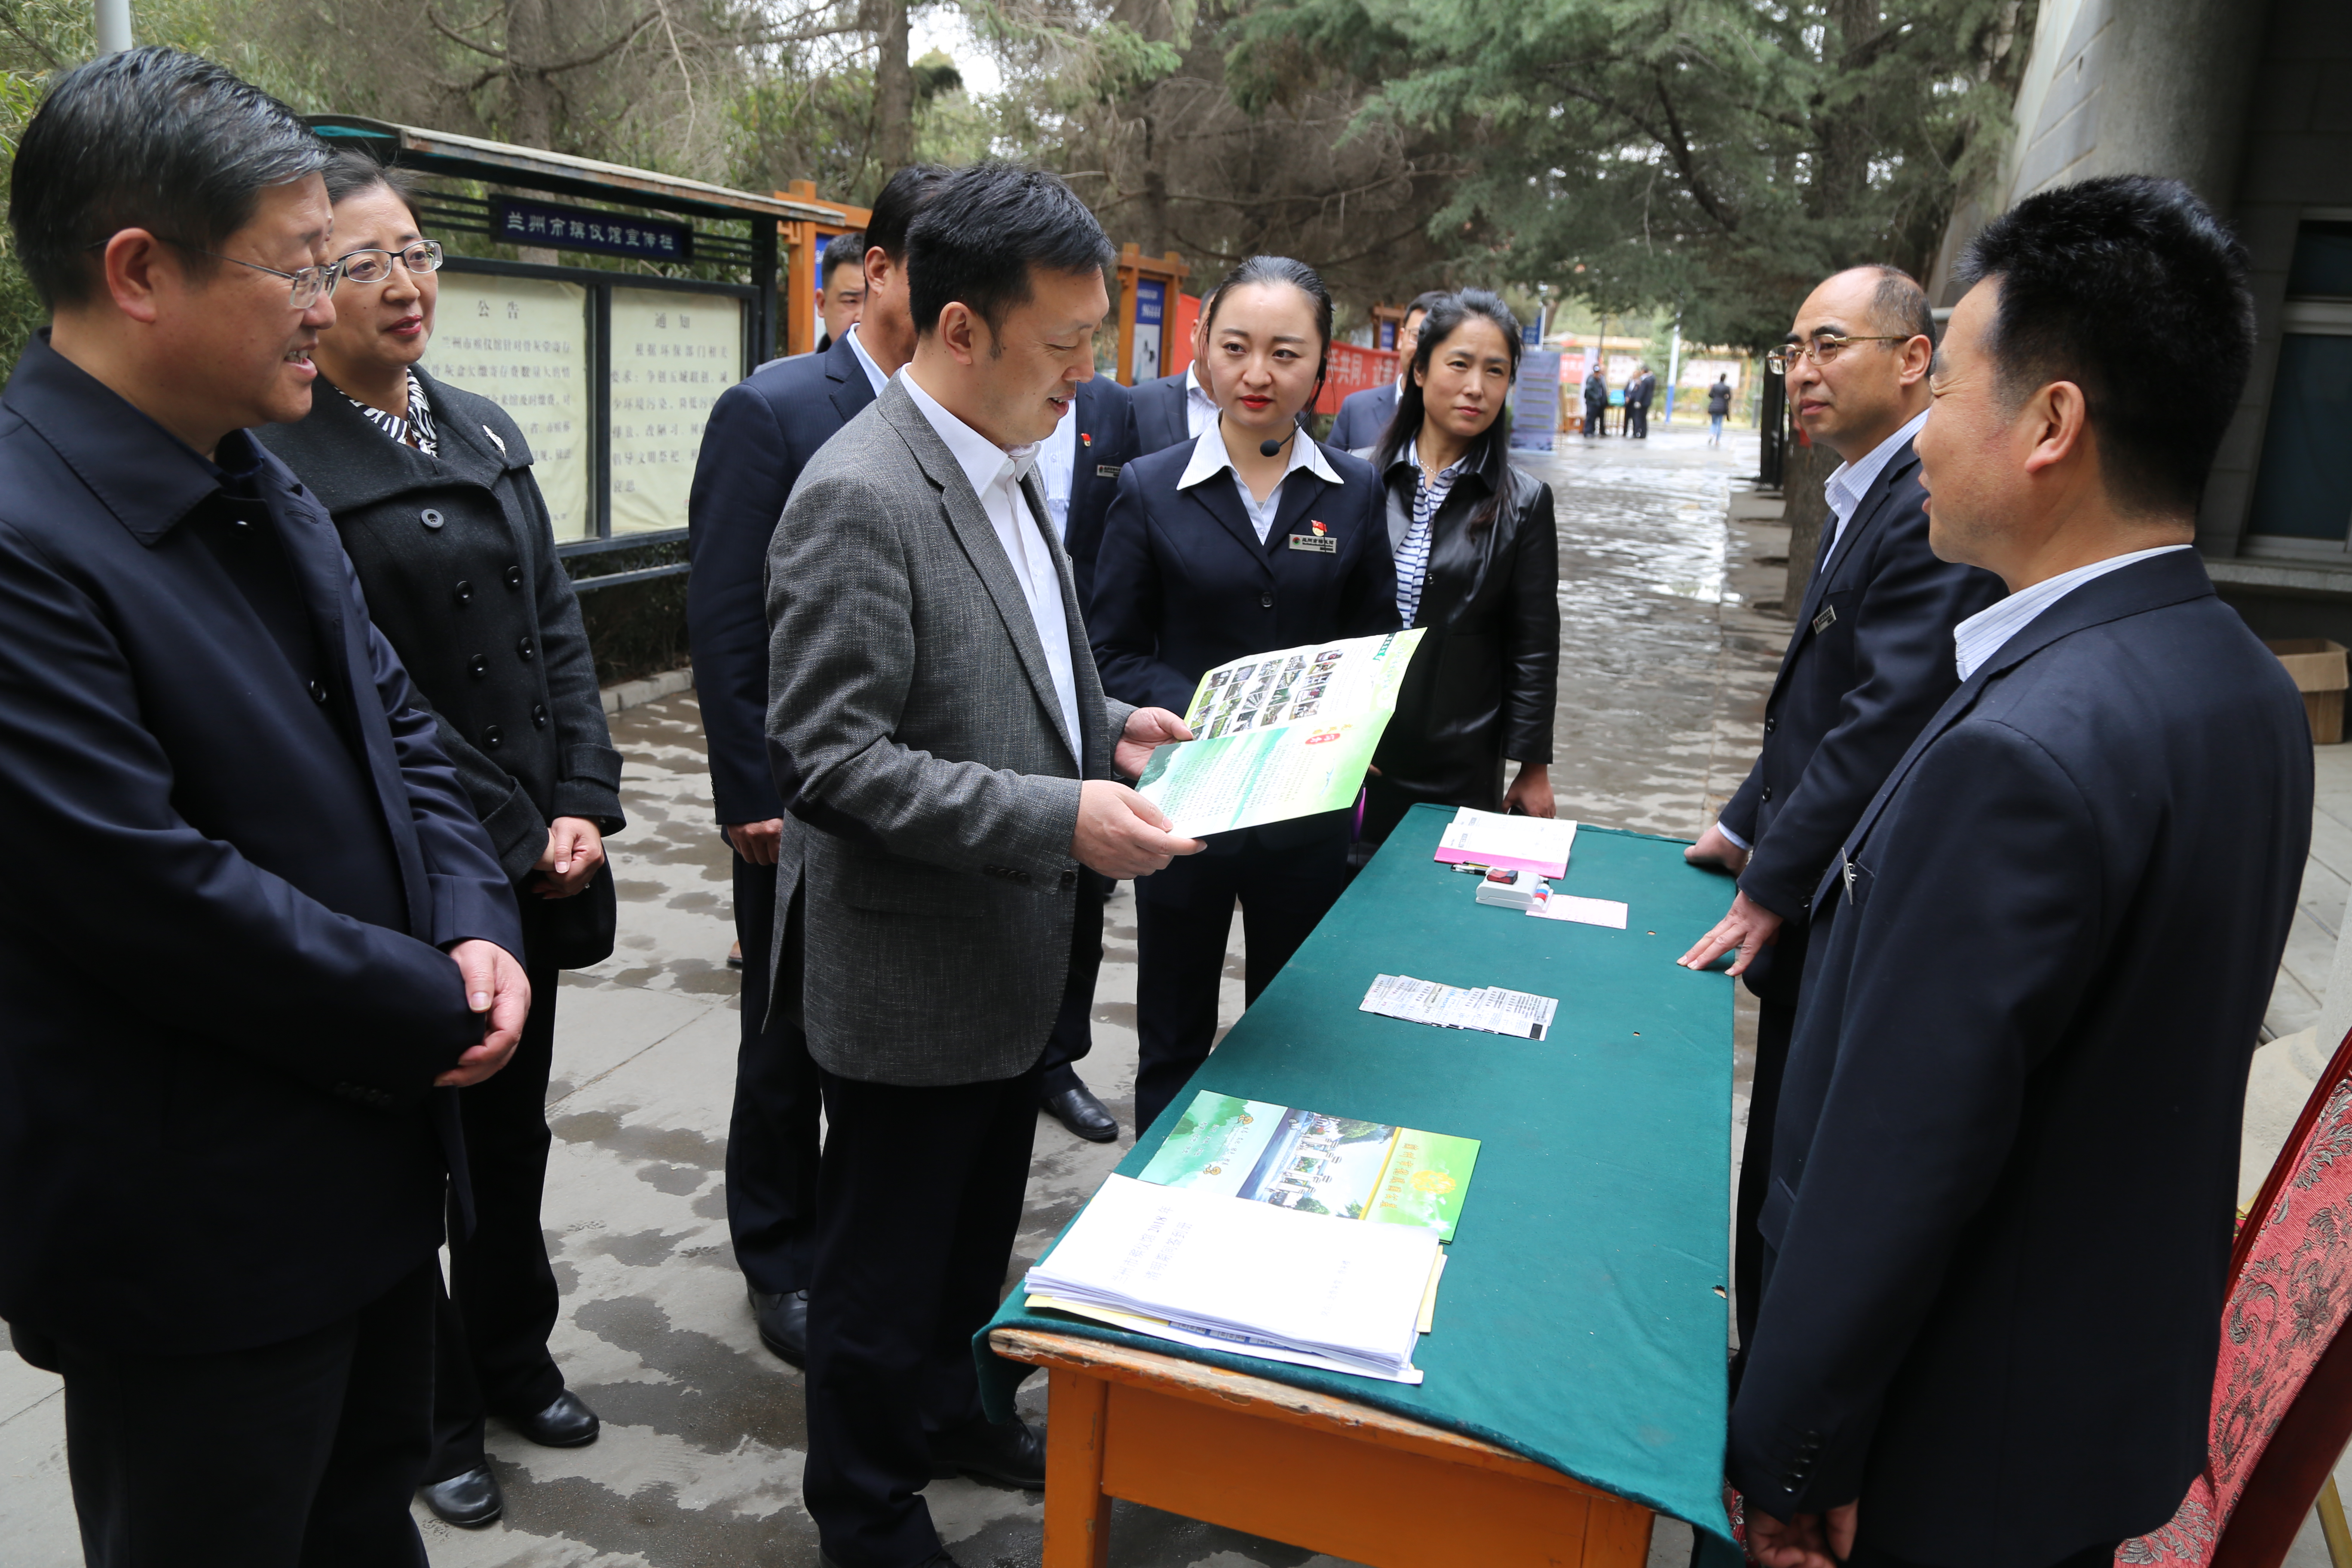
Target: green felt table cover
[[1582, 1320]]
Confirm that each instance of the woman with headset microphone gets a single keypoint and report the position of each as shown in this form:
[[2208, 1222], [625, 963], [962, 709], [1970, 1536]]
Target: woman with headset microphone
[[1252, 538]]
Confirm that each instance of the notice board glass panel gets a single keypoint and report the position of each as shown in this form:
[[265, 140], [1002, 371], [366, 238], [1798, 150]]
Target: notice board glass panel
[[522, 343], [2303, 490], [673, 354]]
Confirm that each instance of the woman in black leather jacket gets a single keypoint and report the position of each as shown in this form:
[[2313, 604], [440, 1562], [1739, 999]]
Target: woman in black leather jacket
[[1477, 565]]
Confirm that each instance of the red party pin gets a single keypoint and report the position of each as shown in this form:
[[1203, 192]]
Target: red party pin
[[1318, 527], [1086, 438]]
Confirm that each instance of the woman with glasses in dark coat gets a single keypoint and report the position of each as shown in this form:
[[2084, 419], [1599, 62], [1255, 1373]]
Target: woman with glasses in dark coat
[[1477, 567], [431, 489]]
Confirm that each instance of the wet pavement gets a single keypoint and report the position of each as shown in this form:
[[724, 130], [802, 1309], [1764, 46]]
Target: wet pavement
[[1667, 661]]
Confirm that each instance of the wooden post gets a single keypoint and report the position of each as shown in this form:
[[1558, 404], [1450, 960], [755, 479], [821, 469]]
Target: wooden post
[[1077, 1512], [1168, 273]]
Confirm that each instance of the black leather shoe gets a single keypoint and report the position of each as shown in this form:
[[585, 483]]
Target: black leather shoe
[[1082, 1113], [566, 1423], [1012, 1452], [942, 1561], [469, 1501], [783, 1323]]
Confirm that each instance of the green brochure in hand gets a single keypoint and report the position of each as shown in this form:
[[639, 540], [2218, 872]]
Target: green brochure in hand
[[1281, 735], [1317, 1164]]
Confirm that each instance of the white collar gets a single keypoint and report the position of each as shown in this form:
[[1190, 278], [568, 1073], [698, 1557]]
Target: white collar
[[1210, 458], [1976, 640], [1195, 391], [984, 462], [873, 372], [1844, 488]]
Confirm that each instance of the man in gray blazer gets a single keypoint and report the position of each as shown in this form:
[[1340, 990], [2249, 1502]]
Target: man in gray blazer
[[947, 762]]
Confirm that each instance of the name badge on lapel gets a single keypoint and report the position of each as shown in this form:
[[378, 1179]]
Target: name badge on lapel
[[1319, 539], [1825, 620], [1105, 471]]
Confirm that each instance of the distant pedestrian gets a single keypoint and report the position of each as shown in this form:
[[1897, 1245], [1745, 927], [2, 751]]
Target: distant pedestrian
[[256, 937], [431, 489], [1596, 401], [1478, 566], [1638, 393], [1718, 403]]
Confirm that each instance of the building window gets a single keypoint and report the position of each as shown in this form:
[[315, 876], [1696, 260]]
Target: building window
[[2303, 489]]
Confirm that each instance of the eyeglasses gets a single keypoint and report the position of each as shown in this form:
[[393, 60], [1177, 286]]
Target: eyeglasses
[[375, 265], [303, 286], [1821, 350]]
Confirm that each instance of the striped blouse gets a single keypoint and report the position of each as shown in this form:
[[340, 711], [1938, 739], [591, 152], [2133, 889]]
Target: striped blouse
[[1413, 555], [416, 430]]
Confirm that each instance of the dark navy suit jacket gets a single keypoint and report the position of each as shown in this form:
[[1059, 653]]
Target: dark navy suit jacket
[[1106, 433], [1182, 584], [1160, 421], [1363, 417], [2005, 1166], [221, 1006], [1870, 659], [761, 434]]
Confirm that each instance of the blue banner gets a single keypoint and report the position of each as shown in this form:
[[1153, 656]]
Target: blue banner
[[518, 220]]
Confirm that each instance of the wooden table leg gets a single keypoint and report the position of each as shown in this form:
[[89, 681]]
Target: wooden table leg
[[1077, 1514]]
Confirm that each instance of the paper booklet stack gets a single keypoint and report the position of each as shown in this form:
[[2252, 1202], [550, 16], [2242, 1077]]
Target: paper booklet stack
[[1538, 844], [1254, 1278]]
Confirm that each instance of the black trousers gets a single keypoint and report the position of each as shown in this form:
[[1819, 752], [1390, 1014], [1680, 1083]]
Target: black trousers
[[1867, 1555], [771, 1136], [918, 1203], [500, 1303], [302, 1454], [1183, 915], [1073, 1032], [1596, 420], [1776, 1023], [1637, 419]]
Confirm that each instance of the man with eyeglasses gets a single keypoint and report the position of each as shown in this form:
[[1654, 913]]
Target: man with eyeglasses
[[255, 938], [1868, 662]]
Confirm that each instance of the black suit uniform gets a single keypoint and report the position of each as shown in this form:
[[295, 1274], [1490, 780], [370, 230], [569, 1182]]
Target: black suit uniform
[[761, 433], [1105, 440], [1160, 418], [1363, 416], [1485, 682], [1182, 584], [456, 553], [2006, 1162], [1869, 662], [237, 848]]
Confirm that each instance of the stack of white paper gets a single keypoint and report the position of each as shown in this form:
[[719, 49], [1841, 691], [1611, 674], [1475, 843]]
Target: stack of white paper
[[1512, 890], [1256, 1278], [1489, 1008], [1538, 844]]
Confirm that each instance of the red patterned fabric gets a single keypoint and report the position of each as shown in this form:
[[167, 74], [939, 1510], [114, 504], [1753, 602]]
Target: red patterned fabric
[[2291, 1291]]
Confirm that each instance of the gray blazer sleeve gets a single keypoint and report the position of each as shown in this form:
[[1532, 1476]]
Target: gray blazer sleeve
[[843, 649]]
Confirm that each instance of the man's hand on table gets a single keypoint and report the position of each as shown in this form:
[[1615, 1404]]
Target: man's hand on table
[[1147, 730], [1806, 1540], [1716, 851], [1750, 928], [758, 842], [1121, 834], [498, 991]]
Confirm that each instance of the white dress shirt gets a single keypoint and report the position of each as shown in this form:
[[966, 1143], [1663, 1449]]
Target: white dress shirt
[[997, 475], [865, 360], [1199, 408], [1986, 633], [1844, 489], [1057, 462], [1210, 458]]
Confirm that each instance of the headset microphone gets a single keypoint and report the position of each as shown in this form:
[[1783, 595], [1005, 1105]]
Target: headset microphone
[[1269, 448]]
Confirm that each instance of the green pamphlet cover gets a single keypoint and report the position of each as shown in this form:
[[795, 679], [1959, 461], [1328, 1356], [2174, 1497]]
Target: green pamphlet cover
[[1317, 1163]]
